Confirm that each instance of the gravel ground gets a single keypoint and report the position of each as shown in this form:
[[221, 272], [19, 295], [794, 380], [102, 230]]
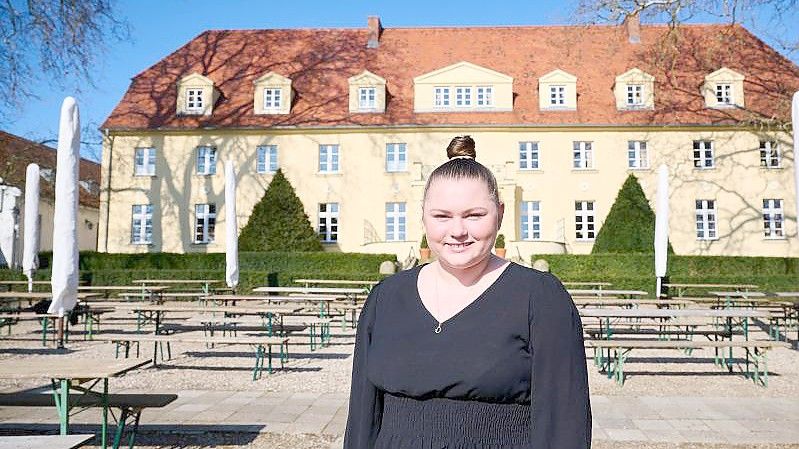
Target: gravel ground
[[650, 373]]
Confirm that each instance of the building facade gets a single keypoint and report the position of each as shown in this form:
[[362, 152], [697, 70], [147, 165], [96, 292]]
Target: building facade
[[357, 119]]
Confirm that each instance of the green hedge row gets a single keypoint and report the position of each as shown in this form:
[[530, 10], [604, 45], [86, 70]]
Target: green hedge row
[[636, 271]]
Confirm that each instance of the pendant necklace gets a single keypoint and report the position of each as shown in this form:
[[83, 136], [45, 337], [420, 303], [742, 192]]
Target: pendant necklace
[[438, 328]]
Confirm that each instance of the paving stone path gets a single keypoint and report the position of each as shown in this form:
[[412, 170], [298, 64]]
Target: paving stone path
[[652, 419]]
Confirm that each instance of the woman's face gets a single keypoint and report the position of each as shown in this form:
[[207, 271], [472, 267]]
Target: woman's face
[[461, 221]]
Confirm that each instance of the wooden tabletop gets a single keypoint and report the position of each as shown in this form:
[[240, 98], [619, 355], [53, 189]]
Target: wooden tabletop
[[787, 294], [603, 292], [311, 290], [632, 302], [67, 367], [672, 313], [23, 282], [335, 282], [44, 441], [738, 294], [596, 284], [750, 286], [176, 281], [271, 298], [122, 288], [220, 309], [40, 295]]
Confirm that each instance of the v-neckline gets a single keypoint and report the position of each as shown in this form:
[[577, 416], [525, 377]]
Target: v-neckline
[[472, 304]]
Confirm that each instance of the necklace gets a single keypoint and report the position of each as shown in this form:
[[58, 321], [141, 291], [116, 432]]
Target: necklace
[[438, 309]]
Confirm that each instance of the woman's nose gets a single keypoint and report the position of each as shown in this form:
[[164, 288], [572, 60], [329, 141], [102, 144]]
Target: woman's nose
[[457, 228]]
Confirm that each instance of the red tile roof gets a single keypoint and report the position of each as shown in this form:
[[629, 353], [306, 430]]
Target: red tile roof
[[15, 155], [320, 61]]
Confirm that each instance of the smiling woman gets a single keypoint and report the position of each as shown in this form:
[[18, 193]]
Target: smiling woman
[[470, 351]]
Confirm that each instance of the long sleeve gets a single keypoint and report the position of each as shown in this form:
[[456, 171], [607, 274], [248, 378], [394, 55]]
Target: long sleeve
[[366, 401], [561, 409]]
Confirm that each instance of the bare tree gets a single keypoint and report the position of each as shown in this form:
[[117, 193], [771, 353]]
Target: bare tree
[[769, 18], [60, 40]]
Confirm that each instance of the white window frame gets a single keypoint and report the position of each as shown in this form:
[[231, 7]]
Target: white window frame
[[635, 95], [706, 220], [530, 220], [463, 96], [725, 94], [144, 161], [367, 98], [329, 158], [396, 157], [195, 100], [204, 223], [770, 156], [773, 219], [396, 222], [584, 221], [442, 97], [485, 96], [206, 160], [266, 159], [582, 155], [141, 224], [637, 155], [328, 218], [557, 95], [273, 99], [704, 154], [529, 156]]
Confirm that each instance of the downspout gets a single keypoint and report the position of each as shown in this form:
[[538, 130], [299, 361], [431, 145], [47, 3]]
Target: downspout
[[108, 186]]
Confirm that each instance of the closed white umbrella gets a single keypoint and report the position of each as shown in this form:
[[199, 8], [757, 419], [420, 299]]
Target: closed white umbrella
[[795, 130], [30, 250], [65, 224], [661, 226], [231, 228]]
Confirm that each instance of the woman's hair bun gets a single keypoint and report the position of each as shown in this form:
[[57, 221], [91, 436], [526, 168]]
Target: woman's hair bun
[[461, 146]]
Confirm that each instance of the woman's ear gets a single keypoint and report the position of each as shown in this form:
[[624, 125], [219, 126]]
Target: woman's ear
[[500, 214]]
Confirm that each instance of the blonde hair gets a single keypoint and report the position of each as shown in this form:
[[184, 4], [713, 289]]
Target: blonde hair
[[463, 165]]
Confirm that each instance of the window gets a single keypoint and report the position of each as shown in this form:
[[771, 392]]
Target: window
[[194, 100], [769, 154], [584, 224], [144, 162], [442, 97], [366, 98], [703, 154], [206, 160], [772, 219], [272, 98], [141, 230], [328, 222], [724, 94], [463, 96], [528, 155], [204, 223], [531, 220], [396, 157], [637, 156], [706, 220], [267, 159], [328, 158], [557, 95], [635, 95], [395, 222], [583, 155], [485, 96]]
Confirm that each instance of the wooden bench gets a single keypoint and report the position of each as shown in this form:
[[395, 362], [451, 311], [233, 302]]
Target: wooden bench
[[614, 365], [130, 406], [263, 346], [44, 441]]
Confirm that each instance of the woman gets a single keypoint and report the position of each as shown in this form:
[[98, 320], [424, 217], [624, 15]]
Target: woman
[[470, 351]]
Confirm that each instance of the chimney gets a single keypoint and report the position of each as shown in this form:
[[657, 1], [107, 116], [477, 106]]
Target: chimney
[[633, 24], [375, 28]]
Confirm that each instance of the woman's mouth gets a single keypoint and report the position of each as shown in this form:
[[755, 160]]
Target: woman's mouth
[[458, 245]]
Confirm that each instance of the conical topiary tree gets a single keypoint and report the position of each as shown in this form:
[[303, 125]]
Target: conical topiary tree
[[630, 224], [278, 222]]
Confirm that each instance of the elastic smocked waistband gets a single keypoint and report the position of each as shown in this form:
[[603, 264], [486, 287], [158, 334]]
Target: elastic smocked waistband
[[456, 420]]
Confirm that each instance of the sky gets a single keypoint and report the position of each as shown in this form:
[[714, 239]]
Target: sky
[[160, 27]]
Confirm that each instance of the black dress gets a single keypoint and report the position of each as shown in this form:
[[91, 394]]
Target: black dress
[[506, 372]]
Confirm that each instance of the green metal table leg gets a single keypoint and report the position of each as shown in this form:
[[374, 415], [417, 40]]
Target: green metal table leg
[[104, 429]]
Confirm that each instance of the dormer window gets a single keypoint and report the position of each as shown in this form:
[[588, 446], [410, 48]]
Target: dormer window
[[366, 98], [462, 87], [635, 95], [724, 94], [557, 95], [442, 97], [724, 88], [194, 100], [272, 97]]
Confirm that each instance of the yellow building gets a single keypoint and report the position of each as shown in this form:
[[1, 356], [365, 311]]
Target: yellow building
[[357, 119]]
